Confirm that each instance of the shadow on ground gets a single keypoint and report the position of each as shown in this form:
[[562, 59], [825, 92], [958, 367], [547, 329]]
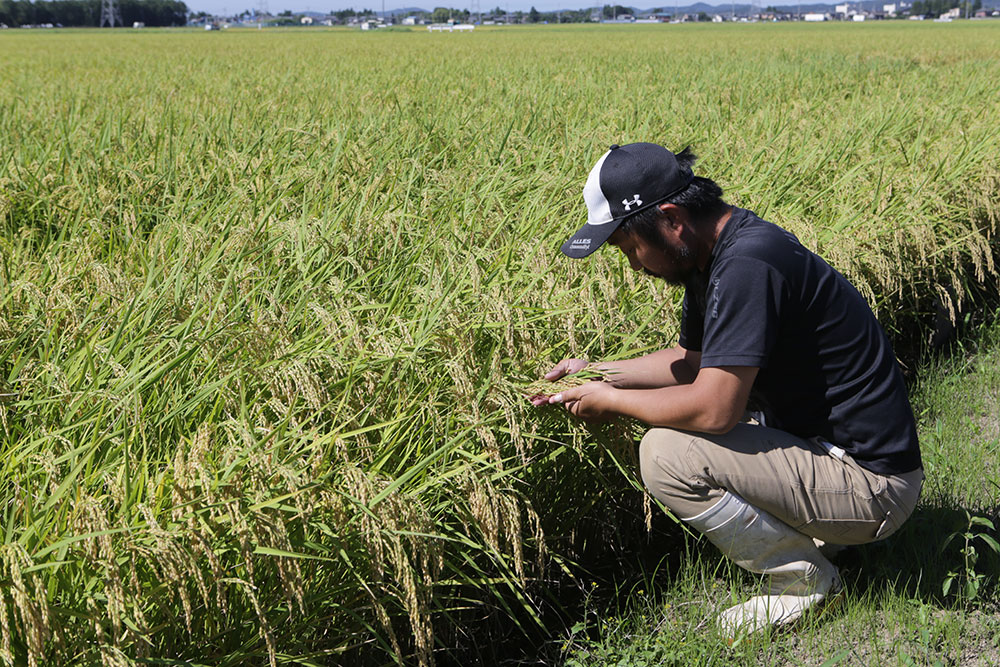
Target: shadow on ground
[[925, 552]]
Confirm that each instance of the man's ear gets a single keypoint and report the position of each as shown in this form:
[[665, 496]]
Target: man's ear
[[673, 214]]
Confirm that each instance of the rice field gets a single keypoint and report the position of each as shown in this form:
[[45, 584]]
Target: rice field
[[269, 301]]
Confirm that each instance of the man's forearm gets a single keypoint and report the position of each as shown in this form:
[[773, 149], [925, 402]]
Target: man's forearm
[[663, 368], [674, 407], [713, 404]]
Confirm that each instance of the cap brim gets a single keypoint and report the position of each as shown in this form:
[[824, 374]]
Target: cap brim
[[588, 239]]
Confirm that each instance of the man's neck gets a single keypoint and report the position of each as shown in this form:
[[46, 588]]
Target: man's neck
[[711, 236]]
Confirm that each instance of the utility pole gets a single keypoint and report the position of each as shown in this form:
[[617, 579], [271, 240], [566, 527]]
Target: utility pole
[[109, 14]]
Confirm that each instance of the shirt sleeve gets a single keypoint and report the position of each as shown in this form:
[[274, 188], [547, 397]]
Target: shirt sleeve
[[743, 307]]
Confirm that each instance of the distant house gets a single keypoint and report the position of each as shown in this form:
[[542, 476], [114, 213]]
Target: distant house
[[814, 18], [306, 20], [451, 27]]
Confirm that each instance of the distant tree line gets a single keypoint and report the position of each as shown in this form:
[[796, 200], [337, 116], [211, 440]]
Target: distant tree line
[[345, 14], [606, 12], [88, 12], [937, 7], [445, 14]]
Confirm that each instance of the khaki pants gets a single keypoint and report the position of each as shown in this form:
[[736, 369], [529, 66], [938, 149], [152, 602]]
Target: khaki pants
[[798, 481]]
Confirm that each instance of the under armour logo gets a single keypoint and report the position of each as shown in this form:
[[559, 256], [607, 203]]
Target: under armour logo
[[628, 204]]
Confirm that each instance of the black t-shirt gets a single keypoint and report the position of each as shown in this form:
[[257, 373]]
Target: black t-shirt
[[826, 366]]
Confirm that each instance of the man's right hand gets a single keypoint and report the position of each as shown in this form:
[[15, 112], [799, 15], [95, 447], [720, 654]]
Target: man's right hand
[[562, 369], [566, 367]]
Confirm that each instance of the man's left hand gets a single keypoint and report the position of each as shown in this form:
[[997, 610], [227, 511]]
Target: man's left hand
[[593, 401]]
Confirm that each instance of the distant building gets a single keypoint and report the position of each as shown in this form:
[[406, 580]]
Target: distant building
[[450, 27], [306, 20], [814, 18], [858, 18], [842, 9]]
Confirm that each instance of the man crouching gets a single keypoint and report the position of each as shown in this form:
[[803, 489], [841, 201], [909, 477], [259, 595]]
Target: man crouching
[[831, 455]]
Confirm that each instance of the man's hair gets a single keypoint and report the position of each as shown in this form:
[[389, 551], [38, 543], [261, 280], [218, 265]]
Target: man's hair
[[702, 199]]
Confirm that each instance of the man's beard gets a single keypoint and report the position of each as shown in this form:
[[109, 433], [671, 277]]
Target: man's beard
[[682, 262]]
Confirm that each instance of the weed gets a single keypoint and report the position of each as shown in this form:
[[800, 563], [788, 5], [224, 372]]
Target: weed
[[967, 581]]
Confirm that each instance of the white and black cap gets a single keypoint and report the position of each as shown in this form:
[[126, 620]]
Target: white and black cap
[[627, 179]]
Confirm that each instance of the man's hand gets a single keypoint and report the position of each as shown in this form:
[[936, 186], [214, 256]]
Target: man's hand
[[566, 367], [593, 401], [560, 370]]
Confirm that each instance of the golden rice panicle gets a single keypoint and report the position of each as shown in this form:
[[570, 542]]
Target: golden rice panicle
[[550, 387], [28, 606]]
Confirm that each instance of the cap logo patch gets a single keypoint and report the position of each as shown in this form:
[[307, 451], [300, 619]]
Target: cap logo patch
[[580, 244], [629, 204]]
